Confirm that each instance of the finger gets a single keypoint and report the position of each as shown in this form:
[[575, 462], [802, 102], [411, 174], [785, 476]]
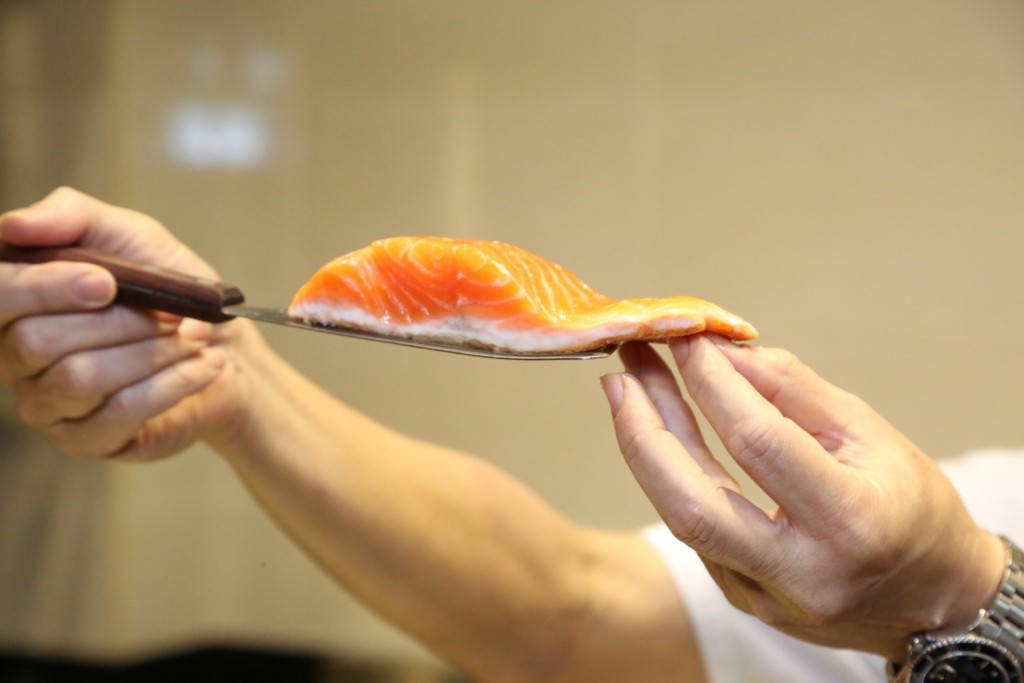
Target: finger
[[641, 361], [64, 216], [79, 383], [31, 344], [799, 393], [52, 288], [714, 520], [784, 460], [67, 216], [113, 427]]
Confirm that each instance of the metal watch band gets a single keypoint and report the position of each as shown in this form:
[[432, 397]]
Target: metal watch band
[[1004, 621]]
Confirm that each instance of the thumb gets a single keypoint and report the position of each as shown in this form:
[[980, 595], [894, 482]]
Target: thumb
[[65, 216]]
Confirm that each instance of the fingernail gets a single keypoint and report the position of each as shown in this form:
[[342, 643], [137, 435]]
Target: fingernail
[[680, 348], [728, 347], [95, 289], [720, 341]]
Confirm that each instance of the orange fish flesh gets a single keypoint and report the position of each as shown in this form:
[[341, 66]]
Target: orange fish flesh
[[490, 295]]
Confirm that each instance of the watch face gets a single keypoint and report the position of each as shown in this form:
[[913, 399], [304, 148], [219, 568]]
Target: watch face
[[966, 661]]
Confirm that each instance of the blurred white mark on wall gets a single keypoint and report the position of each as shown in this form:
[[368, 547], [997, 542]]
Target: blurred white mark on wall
[[217, 135]]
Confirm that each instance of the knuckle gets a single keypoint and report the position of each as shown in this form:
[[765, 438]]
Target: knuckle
[[32, 284], [785, 364], [63, 192], [787, 369], [73, 376], [65, 390], [691, 520], [636, 445], [695, 525], [754, 443], [785, 361], [26, 349], [185, 378], [119, 405]]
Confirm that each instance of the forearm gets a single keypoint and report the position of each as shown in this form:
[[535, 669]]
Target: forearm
[[447, 547]]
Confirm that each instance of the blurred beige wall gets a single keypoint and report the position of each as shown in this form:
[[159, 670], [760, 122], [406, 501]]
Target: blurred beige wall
[[847, 176]]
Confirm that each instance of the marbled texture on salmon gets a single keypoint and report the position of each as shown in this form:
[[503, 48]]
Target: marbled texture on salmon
[[490, 295]]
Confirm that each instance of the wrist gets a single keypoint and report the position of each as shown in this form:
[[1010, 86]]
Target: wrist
[[254, 395], [273, 409], [974, 589]]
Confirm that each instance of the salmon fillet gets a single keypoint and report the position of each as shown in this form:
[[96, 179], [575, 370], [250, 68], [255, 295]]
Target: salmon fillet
[[490, 295]]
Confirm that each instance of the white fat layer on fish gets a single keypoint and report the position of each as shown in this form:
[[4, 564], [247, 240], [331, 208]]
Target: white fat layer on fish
[[495, 334]]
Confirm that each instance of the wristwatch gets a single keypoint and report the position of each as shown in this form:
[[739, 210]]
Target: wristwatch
[[990, 651]]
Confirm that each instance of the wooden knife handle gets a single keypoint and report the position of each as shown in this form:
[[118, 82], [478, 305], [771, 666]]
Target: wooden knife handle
[[141, 285]]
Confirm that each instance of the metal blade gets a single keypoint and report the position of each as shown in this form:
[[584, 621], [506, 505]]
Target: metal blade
[[279, 316]]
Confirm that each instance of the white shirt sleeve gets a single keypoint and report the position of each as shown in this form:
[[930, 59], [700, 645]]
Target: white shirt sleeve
[[737, 648]]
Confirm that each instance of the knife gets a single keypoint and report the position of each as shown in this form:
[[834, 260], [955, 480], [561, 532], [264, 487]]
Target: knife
[[146, 286]]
